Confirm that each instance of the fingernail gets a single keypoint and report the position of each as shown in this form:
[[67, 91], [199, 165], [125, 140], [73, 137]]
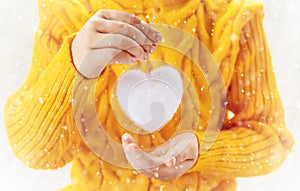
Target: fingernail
[[124, 137], [171, 163], [133, 59], [145, 56], [174, 161], [158, 37], [152, 48], [168, 164]]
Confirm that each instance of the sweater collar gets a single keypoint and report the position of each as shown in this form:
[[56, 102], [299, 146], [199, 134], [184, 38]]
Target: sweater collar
[[162, 5]]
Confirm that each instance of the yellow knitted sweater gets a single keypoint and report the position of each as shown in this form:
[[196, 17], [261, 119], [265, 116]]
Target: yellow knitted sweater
[[253, 141]]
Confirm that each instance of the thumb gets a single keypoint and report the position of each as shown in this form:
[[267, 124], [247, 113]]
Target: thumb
[[185, 148], [127, 139]]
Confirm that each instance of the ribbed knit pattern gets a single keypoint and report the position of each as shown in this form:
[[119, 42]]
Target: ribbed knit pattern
[[253, 141]]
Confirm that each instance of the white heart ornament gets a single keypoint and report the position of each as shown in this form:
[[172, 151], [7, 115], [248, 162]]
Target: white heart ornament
[[150, 102]]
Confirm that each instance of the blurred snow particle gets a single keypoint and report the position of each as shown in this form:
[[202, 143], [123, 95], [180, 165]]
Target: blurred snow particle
[[41, 100], [233, 37]]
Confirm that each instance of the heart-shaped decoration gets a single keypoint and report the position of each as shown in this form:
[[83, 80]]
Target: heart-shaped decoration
[[150, 102]]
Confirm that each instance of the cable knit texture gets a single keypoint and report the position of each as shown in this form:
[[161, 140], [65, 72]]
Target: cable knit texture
[[253, 141]]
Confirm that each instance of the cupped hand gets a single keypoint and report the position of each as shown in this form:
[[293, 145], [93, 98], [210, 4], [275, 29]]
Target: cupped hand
[[166, 162], [111, 36]]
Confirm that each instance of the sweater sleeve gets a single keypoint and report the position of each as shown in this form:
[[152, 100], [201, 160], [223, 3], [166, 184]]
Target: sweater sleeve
[[38, 116], [254, 139]]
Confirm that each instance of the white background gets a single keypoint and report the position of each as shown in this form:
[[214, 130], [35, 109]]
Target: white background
[[18, 20]]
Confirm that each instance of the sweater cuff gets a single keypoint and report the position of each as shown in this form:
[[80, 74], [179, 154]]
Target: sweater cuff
[[39, 119]]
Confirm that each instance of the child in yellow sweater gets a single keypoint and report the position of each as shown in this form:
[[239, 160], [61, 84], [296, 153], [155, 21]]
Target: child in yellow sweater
[[40, 122]]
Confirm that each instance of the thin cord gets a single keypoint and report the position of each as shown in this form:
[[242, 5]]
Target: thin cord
[[153, 18], [149, 67]]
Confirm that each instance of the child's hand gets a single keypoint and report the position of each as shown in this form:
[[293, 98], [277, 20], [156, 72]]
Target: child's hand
[[112, 36], [168, 161]]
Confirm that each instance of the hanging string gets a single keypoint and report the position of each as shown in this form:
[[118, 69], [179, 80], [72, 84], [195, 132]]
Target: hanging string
[[149, 67]]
